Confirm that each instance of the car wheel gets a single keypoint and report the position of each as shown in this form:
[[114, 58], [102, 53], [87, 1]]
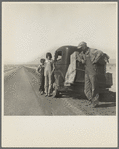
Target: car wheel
[[56, 93]]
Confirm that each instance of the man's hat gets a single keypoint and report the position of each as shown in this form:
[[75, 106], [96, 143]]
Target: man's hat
[[81, 44]]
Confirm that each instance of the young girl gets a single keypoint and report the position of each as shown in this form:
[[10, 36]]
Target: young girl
[[40, 71], [49, 69]]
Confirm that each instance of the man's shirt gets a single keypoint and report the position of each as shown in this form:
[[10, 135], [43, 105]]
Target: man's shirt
[[90, 68]]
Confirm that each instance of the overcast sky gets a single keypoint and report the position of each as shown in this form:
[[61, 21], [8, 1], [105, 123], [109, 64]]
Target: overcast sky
[[31, 29]]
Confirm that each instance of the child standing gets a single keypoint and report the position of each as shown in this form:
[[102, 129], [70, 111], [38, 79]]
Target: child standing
[[40, 71], [49, 69]]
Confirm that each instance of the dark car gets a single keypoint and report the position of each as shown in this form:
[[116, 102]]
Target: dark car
[[62, 62]]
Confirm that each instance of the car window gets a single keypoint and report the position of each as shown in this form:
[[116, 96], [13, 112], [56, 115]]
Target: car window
[[59, 55]]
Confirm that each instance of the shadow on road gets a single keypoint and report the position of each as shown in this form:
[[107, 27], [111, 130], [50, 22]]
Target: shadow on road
[[104, 97], [75, 96], [108, 97]]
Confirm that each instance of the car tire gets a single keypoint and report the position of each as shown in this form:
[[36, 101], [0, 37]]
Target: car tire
[[56, 93]]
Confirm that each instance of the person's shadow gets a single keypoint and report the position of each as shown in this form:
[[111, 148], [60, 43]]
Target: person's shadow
[[106, 99]]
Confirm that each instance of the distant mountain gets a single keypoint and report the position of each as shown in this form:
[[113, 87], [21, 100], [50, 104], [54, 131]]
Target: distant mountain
[[37, 60]]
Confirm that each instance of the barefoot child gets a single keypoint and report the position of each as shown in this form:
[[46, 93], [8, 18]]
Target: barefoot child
[[49, 69], [40, 71]]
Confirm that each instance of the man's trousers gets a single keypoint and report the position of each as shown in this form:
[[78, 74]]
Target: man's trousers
[[91, 87]]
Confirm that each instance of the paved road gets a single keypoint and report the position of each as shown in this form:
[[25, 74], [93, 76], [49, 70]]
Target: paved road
[[21, 97]]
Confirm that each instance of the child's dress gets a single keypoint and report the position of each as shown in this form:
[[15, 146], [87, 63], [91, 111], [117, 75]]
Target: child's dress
[[48, 76]]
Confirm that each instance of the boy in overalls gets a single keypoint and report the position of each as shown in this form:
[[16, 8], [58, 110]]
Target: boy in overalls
[[40, 71]]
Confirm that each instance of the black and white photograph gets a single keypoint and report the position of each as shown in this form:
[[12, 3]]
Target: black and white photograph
[[59, 62]]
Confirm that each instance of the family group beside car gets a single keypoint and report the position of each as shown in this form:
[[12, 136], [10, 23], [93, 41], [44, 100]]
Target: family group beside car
[[89, 60]]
